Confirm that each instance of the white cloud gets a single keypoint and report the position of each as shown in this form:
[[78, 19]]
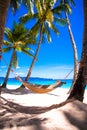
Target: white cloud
[[64, 67], [3, 67], [18, 67], [19, 73], [55, 72]]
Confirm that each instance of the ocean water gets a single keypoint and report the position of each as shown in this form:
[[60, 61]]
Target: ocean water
[[13, 82], [43, 81]]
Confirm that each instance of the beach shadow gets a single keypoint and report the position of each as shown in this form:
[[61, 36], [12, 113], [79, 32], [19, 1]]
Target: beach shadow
[[21, 91], [32, 123], [53, 94], [14, 115], [31, 109], [18, 91], [81, 122]]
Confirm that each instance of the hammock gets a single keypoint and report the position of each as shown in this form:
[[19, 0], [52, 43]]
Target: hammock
[[41, 88]]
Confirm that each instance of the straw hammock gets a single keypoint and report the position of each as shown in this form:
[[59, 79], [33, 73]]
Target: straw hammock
[[39, 88], [36, 88]]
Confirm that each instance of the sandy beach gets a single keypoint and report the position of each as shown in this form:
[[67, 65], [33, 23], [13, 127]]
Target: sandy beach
[[26, 110]]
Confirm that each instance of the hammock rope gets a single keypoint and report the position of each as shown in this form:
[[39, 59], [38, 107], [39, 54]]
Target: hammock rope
[[68, 74]]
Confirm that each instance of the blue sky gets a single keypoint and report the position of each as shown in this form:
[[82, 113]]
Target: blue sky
[[55, 60]]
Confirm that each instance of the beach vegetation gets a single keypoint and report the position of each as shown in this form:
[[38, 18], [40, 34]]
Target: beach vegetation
[[73, 45], [44, 12], [45, 21], [65, 6], [81, 82], [17, 40]]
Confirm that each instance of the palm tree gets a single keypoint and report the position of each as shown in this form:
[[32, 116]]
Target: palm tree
[[45, 21], [73, 45], [18, 40], [75, 53], [65, 6], [81, 82], [4, 4]]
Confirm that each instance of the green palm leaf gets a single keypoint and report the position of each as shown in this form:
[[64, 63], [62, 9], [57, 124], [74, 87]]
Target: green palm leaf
[[8, 34], [39, 9], [53, 28], [14, 5], [29, 4], [27, 17], [6, 49], [27, 52], [72, 2], [47, 32], [35, 29], [61, 21], [6, 43], [30, 40], [68, 2], [62, 7]]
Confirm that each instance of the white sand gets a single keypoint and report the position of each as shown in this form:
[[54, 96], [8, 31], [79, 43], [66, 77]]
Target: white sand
[[33, 99], [72, 116]]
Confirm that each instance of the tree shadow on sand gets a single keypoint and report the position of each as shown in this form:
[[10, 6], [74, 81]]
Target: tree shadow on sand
[[15, 115], [21, 91], [18, 91]]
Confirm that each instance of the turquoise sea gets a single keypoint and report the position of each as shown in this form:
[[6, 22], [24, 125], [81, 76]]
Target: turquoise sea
[[14, 82]]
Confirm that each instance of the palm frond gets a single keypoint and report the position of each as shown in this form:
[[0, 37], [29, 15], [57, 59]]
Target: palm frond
[[6, 43], [14, 5], [49, 15], [53, 28], [57, 10], [67, 8], [47, 32], [19, 29], [19, 32], [6, 49], [72, 2], [27, 52], [29, 4], [39, 8], [19, 49], [61, 21], [35, 29], [27, 17], [8, 34], [62, 7], [30, 40]]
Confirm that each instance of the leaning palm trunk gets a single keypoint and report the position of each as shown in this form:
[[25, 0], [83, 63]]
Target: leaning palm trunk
[[8, 71], [36, 54], [80, 84], [4, 4], [75, 54]]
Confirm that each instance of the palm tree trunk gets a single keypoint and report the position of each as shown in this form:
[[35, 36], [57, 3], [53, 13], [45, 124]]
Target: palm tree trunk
[[8, 71], [36, 54], [75, 54], [4, 4], [81, 82]]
